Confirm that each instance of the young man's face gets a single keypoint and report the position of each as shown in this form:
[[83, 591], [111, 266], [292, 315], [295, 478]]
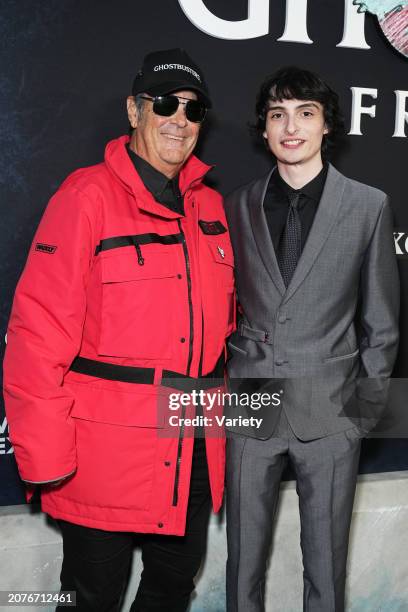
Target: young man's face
[[165, 142], [294, 130]]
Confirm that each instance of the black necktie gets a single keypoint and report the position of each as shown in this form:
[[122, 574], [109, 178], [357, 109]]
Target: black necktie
[[290, 246]]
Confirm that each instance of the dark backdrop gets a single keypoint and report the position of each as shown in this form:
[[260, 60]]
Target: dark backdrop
[[67, 66]]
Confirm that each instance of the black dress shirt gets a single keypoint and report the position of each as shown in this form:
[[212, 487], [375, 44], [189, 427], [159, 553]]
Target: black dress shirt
[[164, 190], [276, 204]]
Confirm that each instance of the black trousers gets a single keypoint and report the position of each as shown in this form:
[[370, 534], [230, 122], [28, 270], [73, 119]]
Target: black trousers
[[96, 563]]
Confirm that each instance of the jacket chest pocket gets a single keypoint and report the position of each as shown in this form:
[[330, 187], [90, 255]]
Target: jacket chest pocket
[[221, 280], [136, 320], [222, 256]]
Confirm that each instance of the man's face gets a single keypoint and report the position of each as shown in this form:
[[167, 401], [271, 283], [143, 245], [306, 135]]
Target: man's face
[[164, 142], [294, 130]]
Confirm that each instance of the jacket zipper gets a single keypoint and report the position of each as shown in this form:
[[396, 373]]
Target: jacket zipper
[[200, 364], [190, 357], [179, 449], [190, 303]]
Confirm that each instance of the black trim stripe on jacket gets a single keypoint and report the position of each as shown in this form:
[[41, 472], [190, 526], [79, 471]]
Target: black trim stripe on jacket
[[138, 239]]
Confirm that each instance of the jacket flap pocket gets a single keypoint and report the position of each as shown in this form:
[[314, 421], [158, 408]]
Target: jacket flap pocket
[[352, 355], [125, 266], [104, 406], [222, 252]]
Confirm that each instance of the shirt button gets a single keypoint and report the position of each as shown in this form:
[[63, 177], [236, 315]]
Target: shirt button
[[282, 318], [279, 362], [160, 525], [182, 339], [179, 276]]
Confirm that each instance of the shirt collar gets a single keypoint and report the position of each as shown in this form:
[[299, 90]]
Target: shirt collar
[[153, 180], [313, 189]]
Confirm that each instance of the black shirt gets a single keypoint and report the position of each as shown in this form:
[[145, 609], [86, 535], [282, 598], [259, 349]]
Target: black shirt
[[164, 190], [276, 204]]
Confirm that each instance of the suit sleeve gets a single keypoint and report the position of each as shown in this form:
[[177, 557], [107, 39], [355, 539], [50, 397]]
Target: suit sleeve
[[44, 336], [380, 300]]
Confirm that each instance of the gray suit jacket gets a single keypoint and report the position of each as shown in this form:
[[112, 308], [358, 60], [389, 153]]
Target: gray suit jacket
[[338, 318]]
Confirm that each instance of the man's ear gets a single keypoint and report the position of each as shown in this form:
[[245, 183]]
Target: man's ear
[[326, 129], [132, 111], [265, 135]]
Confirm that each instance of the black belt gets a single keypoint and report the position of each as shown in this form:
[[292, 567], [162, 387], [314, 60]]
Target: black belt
[[145, 376]]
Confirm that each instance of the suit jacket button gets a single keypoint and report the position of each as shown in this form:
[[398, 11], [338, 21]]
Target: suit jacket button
[[282, 319], [279, 362]]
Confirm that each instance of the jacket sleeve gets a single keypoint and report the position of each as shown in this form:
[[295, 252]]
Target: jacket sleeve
[[380, 300], [44, 336]]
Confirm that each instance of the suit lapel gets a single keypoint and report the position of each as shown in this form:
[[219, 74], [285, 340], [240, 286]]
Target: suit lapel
[[325, 217], [261, 233]]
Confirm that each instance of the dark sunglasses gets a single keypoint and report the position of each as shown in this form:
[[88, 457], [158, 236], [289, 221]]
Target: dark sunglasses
[[165, 106]]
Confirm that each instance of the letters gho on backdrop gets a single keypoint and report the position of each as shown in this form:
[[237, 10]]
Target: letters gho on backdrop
[[67, 68]]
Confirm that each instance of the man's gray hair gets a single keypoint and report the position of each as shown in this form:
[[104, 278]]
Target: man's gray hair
[[139, 105], [139, 102]]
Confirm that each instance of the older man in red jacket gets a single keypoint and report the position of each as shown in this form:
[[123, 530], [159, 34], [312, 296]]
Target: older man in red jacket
[[129, 280]]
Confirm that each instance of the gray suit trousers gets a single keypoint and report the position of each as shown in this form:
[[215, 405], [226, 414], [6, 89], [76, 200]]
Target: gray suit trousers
[[326, 474]]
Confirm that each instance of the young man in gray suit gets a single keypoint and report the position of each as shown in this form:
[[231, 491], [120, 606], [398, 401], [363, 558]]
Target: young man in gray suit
[[318, 288]]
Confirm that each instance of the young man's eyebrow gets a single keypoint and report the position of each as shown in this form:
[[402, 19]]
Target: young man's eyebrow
[[305, 105]]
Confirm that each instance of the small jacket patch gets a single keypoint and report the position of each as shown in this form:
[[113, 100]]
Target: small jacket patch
[[212, 227], [45, 248]]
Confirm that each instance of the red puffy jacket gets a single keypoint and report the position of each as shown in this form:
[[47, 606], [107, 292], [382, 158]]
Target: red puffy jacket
[[115, 277]]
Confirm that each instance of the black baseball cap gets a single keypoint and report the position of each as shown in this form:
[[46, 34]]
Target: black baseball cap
[[170, 70]]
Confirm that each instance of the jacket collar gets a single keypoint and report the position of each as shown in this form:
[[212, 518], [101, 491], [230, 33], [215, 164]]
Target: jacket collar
[[256, 197], [325, 217], [120, 165]]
